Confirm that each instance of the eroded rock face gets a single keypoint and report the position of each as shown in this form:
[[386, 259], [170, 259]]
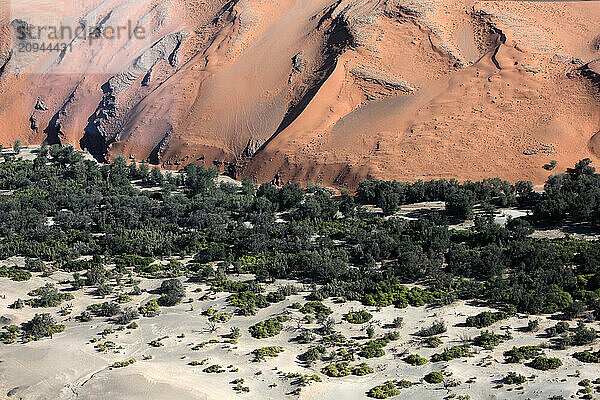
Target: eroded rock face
[[592, 71], [322, 91]]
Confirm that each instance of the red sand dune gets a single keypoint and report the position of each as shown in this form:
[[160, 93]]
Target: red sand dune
[[315, 91]]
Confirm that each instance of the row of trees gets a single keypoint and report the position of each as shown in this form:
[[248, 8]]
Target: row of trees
[[64, 207]]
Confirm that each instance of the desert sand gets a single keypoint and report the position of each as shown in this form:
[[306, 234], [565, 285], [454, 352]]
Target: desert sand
[[321, 91]]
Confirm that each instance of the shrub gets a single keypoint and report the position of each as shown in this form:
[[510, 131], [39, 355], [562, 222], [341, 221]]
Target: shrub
[[213, 369], [370, 332], [10, 334], [14, 273], [388, 389], [137, 263], [106, 309], [486, 318], [302, 379], [150, 309], [281, 293], [560, 328], [35, 265], [488, 339], [362, 369], [337, 369], [313, 353], [383, 391], [121, 364], [374, 348], [234, 333], [270, 351], [583, 335], [432, 341], [398, 322], [17, 305], [358, 317], [305, 337], [172, 291], [220, 317], [513, 379], [41, 325], [315, 307], [123, 298], [437, 328], [452, 353], [95, 275], [518, 354], [247, 302], [587, 356], [127, 315], [85, 316], [545, 363], [133, 325], [434, 377], [268, 328], [105, 346], [533, 325], [415, 359], [48, 296], [104, 289]]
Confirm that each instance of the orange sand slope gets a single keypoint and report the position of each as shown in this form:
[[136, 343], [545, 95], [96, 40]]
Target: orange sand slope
[[313, 91]]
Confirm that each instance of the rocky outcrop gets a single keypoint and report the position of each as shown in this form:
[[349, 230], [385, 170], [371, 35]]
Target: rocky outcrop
[[591, 71], [40, 105], [102, 129], [384, 80], [251, 148]]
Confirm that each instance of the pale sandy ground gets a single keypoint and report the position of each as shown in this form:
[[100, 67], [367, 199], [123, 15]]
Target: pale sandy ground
[[68, 367]]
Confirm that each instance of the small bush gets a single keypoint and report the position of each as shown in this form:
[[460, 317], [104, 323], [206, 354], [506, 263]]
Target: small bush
[[486, 318], [545, 363], [358, 317], [518, 354], [398, 322], [513, 379], [337, 369], [150, 309], [488, 339], [41, 325], [127, 315], [533, 325], [213, 369], [48, 296], [313, 353], [121, 364], [432, 341], [434, 377], [374, 348], [388, 389], [362, 369], [415, 359], [315, 307], [270, 351], [558, 329], [268, 328], [452, 353], [437, 328], [172, 291]]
